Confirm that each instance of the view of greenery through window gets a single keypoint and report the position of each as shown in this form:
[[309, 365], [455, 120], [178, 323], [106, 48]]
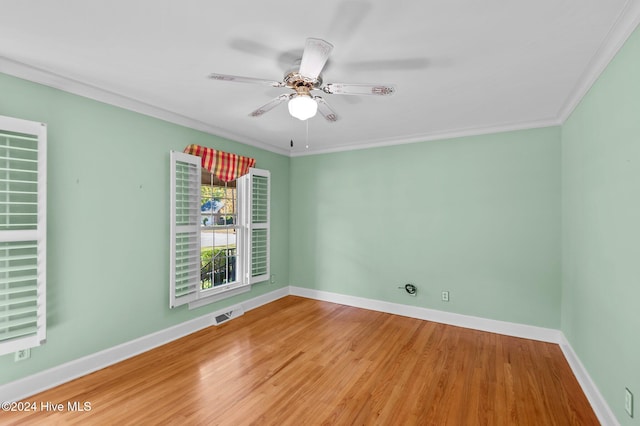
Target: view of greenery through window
[[218, 206]]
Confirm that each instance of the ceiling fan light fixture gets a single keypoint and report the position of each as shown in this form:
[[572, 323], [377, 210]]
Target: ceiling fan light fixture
[[302, 107]]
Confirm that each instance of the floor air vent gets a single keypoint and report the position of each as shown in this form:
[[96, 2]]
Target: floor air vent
[[222, 317]]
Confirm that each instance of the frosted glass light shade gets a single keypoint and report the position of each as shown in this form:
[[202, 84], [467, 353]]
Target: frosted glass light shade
[[302, 107]]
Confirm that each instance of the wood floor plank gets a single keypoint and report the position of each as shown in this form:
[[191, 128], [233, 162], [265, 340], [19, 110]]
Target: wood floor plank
[[300, 361]]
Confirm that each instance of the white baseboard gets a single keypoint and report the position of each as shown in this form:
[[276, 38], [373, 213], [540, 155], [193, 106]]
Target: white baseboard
[[466, 321], [597, 401], [30, 385]]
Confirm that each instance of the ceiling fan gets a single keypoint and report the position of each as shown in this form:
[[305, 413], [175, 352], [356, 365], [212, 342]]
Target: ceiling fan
[[305, 78]]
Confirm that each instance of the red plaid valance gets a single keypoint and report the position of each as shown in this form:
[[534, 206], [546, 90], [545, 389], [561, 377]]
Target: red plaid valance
[[224, 165]]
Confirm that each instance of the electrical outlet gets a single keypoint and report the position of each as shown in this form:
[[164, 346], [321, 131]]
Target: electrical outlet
[[445, 296], [628, 402], [23, 354]]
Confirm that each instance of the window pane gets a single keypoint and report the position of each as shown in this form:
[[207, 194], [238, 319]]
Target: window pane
[[218, 235]]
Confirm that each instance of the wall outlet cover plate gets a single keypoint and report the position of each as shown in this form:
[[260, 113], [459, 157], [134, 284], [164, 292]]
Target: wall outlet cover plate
[[22, 354]]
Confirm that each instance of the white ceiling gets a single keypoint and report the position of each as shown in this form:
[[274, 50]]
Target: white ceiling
[[460, 67]]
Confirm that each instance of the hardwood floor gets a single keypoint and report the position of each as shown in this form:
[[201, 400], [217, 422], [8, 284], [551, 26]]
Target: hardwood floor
[[303, 362]]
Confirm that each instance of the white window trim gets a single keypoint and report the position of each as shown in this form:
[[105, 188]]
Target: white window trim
[[244, 280], [39, 130]]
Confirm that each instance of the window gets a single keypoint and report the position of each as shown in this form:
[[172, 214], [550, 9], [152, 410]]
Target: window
[[22, 234], [219, 232]]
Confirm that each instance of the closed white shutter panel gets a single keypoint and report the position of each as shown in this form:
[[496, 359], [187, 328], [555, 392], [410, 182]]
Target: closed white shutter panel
[[185, 228], [258, 262], [22, 234]]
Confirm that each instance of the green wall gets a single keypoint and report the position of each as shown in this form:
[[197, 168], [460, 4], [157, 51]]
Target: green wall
[[108, 222], [601, 230], [476, 216]]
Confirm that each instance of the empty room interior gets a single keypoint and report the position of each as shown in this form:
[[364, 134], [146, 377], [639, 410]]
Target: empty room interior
[[350, 212]]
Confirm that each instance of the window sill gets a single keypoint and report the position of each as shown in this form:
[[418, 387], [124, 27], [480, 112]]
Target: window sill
[[218, 296]]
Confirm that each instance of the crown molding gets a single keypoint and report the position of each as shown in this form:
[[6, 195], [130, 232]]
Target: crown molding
[[76, 87], [57, 81], [448, 134], [620, 31]]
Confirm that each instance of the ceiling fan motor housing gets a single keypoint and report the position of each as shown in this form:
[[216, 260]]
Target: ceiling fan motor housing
[[300, 83]]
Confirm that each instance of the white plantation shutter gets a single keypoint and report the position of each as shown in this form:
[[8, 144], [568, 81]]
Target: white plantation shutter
[[22, 234], [257, 202], [184, 228]]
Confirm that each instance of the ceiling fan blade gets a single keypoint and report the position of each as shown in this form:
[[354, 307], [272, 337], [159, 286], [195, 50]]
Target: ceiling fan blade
[[315, 55], [283, 58], [251, 80], [348, 17], [359, 89], [327, 112], [271, 105]]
